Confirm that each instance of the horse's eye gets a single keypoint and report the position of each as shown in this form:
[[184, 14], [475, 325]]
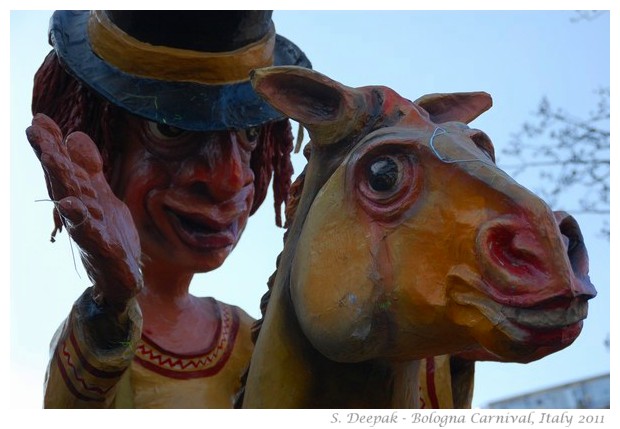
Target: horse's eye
[[383, 174], [387, 180]]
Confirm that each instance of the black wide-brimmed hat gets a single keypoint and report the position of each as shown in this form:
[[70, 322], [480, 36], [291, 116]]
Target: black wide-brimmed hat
[[188, 69]]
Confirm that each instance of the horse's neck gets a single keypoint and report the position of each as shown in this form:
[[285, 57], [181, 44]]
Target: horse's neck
[[462, 382], [287, 372]]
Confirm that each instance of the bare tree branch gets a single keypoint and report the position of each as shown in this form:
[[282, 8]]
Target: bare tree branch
[[570, 155], [587, 15]]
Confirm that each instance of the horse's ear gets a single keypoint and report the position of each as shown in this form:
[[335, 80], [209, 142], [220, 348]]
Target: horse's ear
[[458, 106], [326, 108]]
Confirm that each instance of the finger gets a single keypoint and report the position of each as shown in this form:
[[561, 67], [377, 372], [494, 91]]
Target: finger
[[88, 232], [84, 152], [93, 205], [60, 175], [45, 138], [43, 134], [87, 161], [35, 134], [84, 181], [73, 211]]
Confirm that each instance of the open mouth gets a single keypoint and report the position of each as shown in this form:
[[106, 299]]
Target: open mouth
[[201, 233]]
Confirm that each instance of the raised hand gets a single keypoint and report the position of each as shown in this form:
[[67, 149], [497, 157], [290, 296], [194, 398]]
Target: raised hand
[[98, 222]]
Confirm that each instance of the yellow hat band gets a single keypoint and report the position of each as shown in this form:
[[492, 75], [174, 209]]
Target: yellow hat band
[[164, 63]]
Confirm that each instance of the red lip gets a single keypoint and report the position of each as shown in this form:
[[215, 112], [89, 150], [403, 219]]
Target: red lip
[[202, 233], [550, 329], [195, 221], [553, 338], [551, 326]]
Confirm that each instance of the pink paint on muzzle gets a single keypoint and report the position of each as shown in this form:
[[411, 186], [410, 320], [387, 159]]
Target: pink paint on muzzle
[[527, 265]]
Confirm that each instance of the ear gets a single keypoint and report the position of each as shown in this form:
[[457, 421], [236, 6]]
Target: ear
[[326, 108], [458, 106]]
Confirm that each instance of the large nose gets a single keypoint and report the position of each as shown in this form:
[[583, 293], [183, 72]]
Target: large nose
[[534, 262], [220, 169]]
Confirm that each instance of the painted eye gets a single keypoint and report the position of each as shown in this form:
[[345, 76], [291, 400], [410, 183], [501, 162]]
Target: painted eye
[[249, 138], [168, 142], [164, 131], [252, 133], [383, 174], [387, 181]]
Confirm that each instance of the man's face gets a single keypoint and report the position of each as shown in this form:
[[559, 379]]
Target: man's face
[[190, 193]]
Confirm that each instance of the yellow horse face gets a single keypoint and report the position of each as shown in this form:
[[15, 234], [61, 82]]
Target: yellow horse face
[[417, 244]]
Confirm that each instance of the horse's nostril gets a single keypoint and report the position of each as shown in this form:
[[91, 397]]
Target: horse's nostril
[[575, 247], [576, 253], [513, 248], [526, 263]]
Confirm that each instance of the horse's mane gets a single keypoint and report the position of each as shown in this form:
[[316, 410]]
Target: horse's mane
[[294, 197]]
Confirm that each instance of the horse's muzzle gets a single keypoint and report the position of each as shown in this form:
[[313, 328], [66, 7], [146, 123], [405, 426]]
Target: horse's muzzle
[[529, 264]]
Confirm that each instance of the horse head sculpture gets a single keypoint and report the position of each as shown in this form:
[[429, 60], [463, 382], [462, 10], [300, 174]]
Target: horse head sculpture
[[407, 242]]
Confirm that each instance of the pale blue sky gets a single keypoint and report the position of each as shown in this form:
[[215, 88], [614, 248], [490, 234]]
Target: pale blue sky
[[517, 56]]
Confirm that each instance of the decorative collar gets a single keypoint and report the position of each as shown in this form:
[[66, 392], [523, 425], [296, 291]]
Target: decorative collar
[[185, 366]]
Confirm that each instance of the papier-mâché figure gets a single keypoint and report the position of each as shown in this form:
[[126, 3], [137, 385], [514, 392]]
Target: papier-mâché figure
[[407, 242], [156, 150]]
